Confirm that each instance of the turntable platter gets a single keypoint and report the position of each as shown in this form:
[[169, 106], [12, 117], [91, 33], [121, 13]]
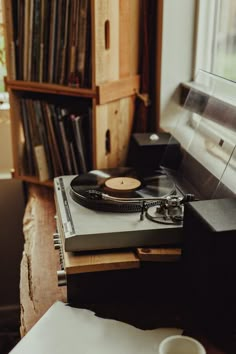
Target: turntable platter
[[86, 189]]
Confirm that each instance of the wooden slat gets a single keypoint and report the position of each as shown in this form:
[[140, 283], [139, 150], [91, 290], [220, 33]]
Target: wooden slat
[[129, 37], [116, 119], [159, 254], [120, 60], [124, 38], [103, 261], [49, 88], [134, 45], [114, 90], [124, 128], [32, 179], [106, 60]]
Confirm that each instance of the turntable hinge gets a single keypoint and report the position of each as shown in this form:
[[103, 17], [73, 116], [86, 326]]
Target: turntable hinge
[[144, 97]]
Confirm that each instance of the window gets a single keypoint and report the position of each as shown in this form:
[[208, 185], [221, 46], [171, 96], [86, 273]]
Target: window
[[224, 54], [216, 37]]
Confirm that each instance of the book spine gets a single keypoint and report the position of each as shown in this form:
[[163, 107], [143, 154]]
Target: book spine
[[41, 160], [69, 137], [26, 39], [41, 126], [71, 45], [79, 142], [30, 164], [57, 132], [56, 157], [58, 41], [52, 40], [21, 38], [41, 43], [64, 45], [45, 39], [69, 169], [83, 15], [9, 38], [35, 57], [31, 38]]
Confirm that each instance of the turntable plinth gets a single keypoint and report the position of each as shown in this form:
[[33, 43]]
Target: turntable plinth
[[98, 262], [159, 254], [103, 261]]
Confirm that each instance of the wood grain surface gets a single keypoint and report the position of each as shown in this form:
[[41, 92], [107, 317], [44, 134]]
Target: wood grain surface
[[40, 262]]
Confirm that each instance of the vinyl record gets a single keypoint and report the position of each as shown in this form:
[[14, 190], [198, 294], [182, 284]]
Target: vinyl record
[[119, 190]]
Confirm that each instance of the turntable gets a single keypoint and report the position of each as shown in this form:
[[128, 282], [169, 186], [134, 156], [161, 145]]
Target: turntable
[[115, 208]]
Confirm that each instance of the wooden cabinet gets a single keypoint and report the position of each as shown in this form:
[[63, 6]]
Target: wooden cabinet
[[107, 94]]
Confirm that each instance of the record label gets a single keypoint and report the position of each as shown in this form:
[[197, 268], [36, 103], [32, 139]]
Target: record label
[[122, 183]]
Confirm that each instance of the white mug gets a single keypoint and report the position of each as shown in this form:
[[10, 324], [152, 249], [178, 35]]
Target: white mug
[[179, 344]]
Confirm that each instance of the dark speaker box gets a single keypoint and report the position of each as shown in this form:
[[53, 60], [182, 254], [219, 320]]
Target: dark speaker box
[[146, 153], [210, 268]]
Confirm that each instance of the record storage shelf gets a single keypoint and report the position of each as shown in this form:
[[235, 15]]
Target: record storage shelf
[[114, 83]]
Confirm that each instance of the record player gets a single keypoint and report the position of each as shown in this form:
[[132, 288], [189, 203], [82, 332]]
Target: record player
[[92, 215]]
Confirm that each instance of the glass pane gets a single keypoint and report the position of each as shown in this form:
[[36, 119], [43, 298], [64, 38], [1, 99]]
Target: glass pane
[[224, 56], [210, 136]]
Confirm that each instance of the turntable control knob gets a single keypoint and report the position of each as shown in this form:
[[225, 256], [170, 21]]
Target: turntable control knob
[[154, 137], [57, 246], [61, 278], [56, 236]]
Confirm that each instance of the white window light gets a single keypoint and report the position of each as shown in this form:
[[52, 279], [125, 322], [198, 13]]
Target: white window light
[[216, 38]]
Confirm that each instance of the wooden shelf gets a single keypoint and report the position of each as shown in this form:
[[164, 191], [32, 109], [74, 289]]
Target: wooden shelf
[[104, 93], [32, 179], [20, 85]]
